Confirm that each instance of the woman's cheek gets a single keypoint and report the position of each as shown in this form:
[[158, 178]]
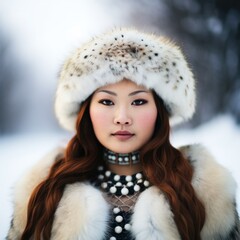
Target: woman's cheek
[[147, 119], [99, 117]]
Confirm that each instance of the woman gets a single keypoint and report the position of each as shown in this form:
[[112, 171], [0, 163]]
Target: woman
[[119, 176]]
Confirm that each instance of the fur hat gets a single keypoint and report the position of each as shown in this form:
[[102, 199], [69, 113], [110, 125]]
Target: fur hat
[[146, 59]]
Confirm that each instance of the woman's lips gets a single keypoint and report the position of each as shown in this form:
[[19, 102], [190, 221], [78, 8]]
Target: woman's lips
[[123, 135]]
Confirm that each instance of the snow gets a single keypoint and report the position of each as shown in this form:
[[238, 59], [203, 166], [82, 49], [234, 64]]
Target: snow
[[19, 152]]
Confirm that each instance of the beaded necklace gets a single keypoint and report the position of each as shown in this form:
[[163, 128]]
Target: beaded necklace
[[121, 192], [117, 185], [121, 185]]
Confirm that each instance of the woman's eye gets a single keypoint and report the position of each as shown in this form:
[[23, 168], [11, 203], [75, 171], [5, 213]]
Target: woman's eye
[[139, 102], [106, 102]]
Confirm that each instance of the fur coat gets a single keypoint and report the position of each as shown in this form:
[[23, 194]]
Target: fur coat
[[82, 213]]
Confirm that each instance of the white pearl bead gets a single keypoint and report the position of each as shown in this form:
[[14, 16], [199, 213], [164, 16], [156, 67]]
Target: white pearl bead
[[100, 168], [120, 159], [140, 181], [126, 159], [146, 183], [116, 178], [118, 184], [128, 178], [112, 238], [138, 175], [101, 177], [118, 229], [136, 188], [133, 157], [104, 185], [113, 157], [113, 189], [129, 184], [107, 173], [119, 218], [127, 226], [116, 210], [124, 191]]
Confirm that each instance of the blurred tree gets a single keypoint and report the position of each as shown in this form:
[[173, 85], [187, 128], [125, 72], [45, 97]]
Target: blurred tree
[[6, 82], [209, 32], [11, 105]]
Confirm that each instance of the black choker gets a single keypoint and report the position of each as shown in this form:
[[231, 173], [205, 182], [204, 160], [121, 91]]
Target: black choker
[[121, 158]]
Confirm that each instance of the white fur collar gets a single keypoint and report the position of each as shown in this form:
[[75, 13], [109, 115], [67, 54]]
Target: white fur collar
[[215, 187], [83, 212], [153, 218]]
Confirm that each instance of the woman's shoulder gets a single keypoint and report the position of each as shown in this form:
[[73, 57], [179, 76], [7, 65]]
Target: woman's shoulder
[[216, 188], [207, 171], [24, 187], [81, 201], [36, 173]]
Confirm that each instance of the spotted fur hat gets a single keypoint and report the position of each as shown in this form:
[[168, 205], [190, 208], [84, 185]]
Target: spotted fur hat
[[146, 59]]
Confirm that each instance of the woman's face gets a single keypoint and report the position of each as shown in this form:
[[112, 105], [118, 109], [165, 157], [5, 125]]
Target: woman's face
[[123, 116]]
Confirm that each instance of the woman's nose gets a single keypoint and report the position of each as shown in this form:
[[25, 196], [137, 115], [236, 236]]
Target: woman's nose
[[122, 117]]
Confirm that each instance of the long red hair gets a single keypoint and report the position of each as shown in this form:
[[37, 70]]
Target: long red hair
[[163, 165]]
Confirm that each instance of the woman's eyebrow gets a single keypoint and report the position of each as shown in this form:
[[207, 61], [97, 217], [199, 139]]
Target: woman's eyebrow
[[107, 91], [130, 94], [136, 92]]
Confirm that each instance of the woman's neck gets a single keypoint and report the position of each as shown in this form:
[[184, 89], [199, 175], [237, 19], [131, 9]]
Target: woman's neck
[[122, 163], [125, 169]]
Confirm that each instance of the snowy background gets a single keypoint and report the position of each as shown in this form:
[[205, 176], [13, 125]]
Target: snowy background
[[35, 38]]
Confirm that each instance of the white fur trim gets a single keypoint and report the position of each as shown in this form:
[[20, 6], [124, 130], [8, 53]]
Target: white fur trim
[[213, 184], [153, 218], [146, 59], [82, 214], [216, 188], [24, 188]]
